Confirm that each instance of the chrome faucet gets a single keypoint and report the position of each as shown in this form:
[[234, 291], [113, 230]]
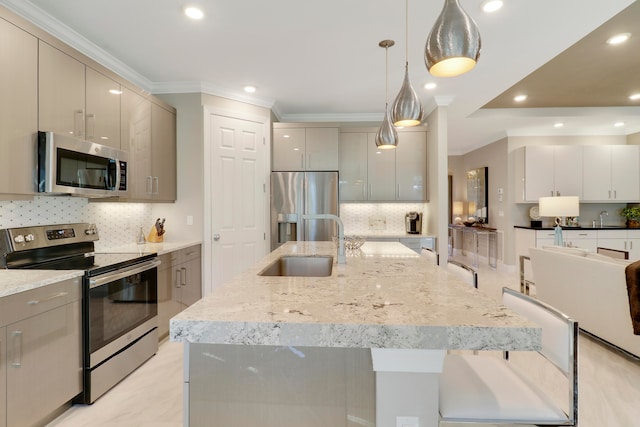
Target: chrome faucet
[[601, 220], [342, 258]]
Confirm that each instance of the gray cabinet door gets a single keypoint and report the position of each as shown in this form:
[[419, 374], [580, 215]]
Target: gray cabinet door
[[136, 140], [18, 109], [163, 156], [44, 364], [103, 109]]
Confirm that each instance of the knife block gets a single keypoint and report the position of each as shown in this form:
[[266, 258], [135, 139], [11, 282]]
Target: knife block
[[153, 236]]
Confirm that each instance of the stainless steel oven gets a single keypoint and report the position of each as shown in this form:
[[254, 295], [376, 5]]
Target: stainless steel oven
[[120, 297], [120, 323]]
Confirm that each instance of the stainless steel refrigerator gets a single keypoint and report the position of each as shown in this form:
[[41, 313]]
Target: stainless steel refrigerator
[[294, 194]]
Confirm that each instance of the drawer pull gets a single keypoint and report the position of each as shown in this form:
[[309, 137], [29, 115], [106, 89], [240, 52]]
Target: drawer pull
[[49, 298], [16, 337]]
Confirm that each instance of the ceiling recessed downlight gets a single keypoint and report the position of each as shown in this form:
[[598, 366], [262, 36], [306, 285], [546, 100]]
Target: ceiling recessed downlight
[[430, 86], [635, 97], [491, 5], [115, 91], [250, 89], [520, 98], [618, 38], [618, 124], [194, 12], [558, 125]]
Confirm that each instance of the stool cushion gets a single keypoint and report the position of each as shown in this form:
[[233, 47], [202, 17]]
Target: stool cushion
[[488, 389]]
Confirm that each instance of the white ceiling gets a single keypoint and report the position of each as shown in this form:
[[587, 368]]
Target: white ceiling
[[320, 61]]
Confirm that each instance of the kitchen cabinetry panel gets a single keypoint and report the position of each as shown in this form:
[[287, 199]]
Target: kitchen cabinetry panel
[[353, 166], [611, 173], [61, 92], [381, 171], [43, 347], [18, 109], [305, 149], [3, 377], [136, 140], [163, 155], [103, 109], [411, 167], [179, 284], [551, 170]]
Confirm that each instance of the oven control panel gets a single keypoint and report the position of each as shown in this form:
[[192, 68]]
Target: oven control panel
[[61, 233]]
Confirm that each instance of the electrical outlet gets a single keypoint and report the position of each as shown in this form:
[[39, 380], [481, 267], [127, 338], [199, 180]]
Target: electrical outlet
[[407, 422], [189, 219]]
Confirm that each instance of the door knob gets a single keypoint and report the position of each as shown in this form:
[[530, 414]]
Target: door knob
[[216, 237]]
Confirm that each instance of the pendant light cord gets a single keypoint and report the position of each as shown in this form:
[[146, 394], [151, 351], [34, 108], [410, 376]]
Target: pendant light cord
[[406, 33], [386, 75]]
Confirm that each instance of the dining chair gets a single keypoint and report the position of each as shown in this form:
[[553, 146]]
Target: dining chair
[[464, 271], [493, 390]]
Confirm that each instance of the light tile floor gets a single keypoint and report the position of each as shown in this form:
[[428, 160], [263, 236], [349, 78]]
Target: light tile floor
[[609, 382]]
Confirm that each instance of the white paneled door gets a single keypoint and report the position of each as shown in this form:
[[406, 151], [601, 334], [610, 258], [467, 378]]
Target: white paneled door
[[238, 196]]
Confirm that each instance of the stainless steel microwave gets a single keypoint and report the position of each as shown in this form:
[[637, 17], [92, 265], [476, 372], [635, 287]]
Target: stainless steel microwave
[[68, 165]]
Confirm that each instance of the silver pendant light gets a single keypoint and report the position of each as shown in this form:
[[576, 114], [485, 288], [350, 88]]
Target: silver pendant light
[[453, 46], [387, 136], [407, 109]]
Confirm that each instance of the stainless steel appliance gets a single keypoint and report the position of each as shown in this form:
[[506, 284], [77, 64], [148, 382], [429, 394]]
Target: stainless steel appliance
[[294, 194], [120, 303], [413, 222], [68, 165]]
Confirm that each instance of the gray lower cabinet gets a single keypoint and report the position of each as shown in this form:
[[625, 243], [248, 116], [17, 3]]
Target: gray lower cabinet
[[41, 352], [179, 284], [3, 376]]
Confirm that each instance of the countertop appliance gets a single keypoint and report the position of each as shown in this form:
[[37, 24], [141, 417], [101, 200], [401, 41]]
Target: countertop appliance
[[68, 165], [413, 222], [294, 194], [120, 302]]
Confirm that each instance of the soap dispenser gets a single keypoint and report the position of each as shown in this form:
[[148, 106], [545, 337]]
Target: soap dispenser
[[141, 239]]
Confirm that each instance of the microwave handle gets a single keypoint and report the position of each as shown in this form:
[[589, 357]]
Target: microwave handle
[[117, 187]]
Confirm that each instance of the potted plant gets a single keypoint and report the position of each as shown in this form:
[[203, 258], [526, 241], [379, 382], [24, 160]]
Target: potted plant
[[632, 214]]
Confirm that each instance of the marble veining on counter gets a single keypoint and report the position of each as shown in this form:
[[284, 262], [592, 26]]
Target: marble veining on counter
[[16, 281], [371, 302]]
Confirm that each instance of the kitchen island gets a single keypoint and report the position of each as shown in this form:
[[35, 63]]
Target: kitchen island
[[359, 347]]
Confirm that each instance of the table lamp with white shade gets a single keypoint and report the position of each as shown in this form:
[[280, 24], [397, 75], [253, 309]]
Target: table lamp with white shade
[[559, 207]]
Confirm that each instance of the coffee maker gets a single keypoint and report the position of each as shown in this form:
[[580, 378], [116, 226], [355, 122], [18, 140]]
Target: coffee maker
[[413, 222]]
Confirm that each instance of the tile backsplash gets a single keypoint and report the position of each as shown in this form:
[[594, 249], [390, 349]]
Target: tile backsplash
[[118, 223], [378, 218]]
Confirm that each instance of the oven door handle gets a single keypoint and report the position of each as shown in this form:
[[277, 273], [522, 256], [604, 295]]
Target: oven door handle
[[110, 277]]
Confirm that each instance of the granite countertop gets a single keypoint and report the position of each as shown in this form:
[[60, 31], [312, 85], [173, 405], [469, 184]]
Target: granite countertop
[[16, 281], [371, 301], [606, 227]]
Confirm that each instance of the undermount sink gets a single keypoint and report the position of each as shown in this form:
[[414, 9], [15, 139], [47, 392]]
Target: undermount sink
[[307, 266]]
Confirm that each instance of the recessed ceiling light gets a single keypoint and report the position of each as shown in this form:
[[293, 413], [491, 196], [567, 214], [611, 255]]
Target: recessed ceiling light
[[250, 89], [285, 136], [520, 98], [115, 91], [430, 86], [491, 5], [194, 12], [558, 125], [618, 124], [619, 38], [635, 97]]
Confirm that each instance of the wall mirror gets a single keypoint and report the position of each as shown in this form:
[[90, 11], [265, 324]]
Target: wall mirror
[[477, 194]]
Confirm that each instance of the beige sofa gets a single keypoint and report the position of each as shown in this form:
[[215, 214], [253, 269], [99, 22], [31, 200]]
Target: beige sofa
[[588, 287]]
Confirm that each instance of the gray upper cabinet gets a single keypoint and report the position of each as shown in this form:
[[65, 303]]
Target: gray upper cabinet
[[163, 154], [61, 92], [77, 100], [149, 136], [371, 174], [102, 119], [18, 109], [299, 148]]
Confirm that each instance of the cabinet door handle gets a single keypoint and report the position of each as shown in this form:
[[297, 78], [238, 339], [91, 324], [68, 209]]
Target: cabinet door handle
[[609, 194], [184, 277], [178, 278], [16, 338], [149, 185], [302, 160], [625, 246], [370, 191], [156, 181], [91, 126], [49, 298], [78, 123], [551, 193], [631, 245], [615, 194], [397, 191]]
